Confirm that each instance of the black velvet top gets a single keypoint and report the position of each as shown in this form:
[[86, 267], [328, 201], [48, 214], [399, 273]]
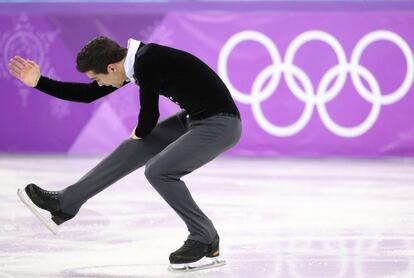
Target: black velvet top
[[159, 70]]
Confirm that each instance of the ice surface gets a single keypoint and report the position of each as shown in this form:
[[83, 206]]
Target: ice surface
[[276, 218]]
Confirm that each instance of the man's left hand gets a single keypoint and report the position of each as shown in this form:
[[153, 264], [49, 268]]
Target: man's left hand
[[133, 136]]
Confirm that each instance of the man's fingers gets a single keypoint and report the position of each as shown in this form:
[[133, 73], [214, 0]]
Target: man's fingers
[[32, 63], [21, 60], [15, 74], [16, 65], [15, 62], [15, 68]]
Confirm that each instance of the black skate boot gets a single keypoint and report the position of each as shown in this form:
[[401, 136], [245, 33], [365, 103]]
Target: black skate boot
[[33, 196], [187, 257]]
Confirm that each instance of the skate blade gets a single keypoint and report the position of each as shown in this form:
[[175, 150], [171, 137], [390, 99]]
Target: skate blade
[[181, 268], [33, 208]]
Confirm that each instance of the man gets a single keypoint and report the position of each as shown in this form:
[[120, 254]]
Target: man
[[208, 125]]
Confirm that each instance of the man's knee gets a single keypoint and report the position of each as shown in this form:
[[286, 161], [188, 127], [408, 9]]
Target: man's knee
[[157, 173], [151, 172]]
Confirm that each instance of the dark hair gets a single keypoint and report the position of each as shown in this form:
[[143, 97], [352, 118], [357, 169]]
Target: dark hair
[[97, 54]]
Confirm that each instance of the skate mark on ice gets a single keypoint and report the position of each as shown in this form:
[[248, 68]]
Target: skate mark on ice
[[136, 271]]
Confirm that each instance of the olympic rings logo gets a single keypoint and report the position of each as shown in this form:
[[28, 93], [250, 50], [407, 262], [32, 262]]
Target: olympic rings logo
[[323, 94]]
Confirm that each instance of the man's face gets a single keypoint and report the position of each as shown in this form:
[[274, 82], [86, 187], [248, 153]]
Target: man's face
[[106, 79]]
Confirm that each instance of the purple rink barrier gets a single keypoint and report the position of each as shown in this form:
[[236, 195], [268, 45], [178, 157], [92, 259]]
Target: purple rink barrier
[[307, 82]]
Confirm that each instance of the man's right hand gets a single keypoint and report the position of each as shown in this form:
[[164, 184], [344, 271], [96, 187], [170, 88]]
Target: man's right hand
[[26, 71]]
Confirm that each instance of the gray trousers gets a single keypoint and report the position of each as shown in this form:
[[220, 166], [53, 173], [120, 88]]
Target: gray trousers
[[176, 147]]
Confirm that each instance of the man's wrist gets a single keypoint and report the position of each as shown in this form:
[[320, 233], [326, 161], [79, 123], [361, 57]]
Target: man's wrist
[[38, 80]]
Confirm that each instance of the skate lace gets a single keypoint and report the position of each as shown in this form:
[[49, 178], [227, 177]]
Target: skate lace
[[52, 193], [187, 244]]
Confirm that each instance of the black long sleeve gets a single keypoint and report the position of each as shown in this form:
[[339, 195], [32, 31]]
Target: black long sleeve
[[72, 91], [149, 112]]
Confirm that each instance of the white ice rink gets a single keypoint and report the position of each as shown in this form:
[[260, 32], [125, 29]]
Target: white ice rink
[[276, 218]]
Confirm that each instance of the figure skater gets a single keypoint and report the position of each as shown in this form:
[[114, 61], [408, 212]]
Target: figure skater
[[208, 124]]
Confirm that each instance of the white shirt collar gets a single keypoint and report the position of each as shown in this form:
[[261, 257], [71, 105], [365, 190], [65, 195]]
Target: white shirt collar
[[130, 59]]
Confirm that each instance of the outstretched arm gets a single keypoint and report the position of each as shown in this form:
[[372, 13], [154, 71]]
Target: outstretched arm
[[28, 72]]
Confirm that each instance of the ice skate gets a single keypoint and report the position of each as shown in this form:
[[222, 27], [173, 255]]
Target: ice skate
[[195, 256], [34, 197]]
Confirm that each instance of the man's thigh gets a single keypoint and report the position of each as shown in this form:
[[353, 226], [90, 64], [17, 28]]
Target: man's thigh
[[203, 142], [168, 129]]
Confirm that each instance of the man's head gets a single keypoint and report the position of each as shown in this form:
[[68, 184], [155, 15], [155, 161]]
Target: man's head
[[102, 59]]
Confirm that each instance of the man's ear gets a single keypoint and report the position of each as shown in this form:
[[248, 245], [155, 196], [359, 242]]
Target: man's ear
[[111, 68]]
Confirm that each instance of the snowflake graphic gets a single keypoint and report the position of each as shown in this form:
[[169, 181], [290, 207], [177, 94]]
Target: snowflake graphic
[[27, 41]]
